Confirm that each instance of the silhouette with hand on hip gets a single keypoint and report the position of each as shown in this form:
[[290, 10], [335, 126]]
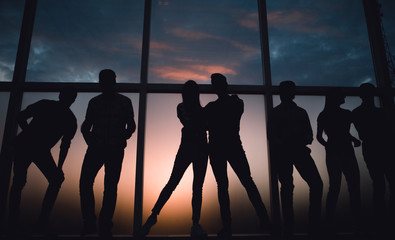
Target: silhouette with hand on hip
[[335, 122], [289, 134]]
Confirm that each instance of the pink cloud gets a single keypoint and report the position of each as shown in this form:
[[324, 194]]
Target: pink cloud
[[195, 72], [297, 21], [192, 35], [160, 46], [250, 21]]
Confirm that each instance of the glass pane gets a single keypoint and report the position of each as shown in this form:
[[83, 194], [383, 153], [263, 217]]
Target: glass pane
[[66, 216], [73, 40], [162, 142], [4, 98], [314, 105], [193, 39], [388, 21], [319, 43], [11, 13]]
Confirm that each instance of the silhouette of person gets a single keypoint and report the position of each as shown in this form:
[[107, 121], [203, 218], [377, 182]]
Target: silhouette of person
[[223, 116], [108, 123], [192, 150], [50, 121], [289, 134], [374, 130], [335, 122]]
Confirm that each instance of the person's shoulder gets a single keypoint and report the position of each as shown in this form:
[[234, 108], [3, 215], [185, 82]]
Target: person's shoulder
[[211, 104], [236, 98], [122, 98]]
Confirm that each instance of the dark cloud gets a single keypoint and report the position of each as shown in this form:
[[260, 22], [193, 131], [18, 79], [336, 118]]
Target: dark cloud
[[10, 24], [319, 43]]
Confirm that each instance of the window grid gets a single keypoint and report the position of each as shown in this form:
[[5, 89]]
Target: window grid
[[18, 86]]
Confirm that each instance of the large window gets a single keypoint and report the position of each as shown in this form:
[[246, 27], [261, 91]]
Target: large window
[[66, 216], [3, 112], [154, 46], [163, 139], [319, 43], [192, 39], [11, 12], [73, 40]]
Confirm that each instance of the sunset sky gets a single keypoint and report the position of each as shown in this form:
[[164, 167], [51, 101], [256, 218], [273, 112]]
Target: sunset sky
[[314, 43]]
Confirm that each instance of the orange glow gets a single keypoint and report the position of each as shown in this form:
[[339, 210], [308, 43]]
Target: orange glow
[[298, 21], [195, 72], [250, 21], [192, 35]]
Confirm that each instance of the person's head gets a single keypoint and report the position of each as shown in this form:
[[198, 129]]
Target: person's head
[[366, 91], [334, 98], [107, 80], [287, 90], [67, 95], [190, 92], [219, 83]]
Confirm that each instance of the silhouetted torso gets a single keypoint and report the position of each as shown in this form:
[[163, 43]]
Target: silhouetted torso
[[51, 121], [109, 115], [223, 116], [373, 128], [194, 124], [290, 126], [336, 124]]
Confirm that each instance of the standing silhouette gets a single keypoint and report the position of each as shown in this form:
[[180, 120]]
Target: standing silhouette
[[192, 150], [335, 122], [50, 121], [289, 133], [225, 146], [374, 130], [108, 123]]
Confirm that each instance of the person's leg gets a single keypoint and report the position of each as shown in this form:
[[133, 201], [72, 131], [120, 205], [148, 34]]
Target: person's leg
[[21, 164], [113, 158], [335, 177], [376, 172], [219, 166], [199, 172], [181, 163], [309, 172], [55, 178], [93, 161], [239, 163], [352, 176], [390, 174], [285, 171]]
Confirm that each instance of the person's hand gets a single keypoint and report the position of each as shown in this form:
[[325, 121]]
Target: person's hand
[[356, 142]]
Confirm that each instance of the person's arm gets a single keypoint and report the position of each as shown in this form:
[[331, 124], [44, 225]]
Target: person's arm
[[309, 131], [130, 123], [66, 141], [320, 132], [24, 115], [355, 141], [86, 126]]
